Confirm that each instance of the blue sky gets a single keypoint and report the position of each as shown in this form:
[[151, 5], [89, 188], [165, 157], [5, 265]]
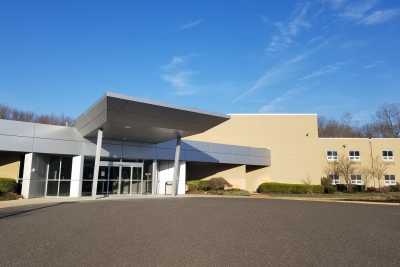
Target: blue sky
[[323, 56]]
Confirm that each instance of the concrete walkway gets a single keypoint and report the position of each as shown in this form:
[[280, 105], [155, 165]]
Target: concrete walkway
[[49, 200]]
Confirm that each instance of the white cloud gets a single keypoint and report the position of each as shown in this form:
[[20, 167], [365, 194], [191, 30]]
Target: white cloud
[[373, 64], [191, 24], [178, 76], [380, 16], [362, 12], [357, 10], [175, 62], [279, 73], [324, 71], [286, 32], [276, 104]]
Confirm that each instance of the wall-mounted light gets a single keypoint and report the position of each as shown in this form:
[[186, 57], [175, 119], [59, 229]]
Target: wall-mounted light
[[127, 127]]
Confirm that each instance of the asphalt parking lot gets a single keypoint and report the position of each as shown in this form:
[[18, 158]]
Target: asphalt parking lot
[[200, 232]]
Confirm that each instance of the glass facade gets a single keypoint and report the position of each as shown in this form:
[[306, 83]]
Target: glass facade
[[58, 176], [118, 177]]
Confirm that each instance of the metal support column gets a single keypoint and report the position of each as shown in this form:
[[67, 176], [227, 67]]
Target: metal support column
[[97, 161], [176, 165]]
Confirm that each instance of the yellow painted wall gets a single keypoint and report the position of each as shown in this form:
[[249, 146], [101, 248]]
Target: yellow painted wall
[[369, 148], [297, 153], [291, 138], [9, 165]]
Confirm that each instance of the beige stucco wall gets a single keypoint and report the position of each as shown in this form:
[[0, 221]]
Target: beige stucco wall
[[9, 165], [291, 139], [297, 153], [369, 148]]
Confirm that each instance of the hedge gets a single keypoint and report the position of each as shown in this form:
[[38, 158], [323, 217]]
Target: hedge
[[7, 185], [289, 188], [208, 185]]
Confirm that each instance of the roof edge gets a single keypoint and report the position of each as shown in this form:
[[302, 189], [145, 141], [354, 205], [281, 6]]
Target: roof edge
[[156, 103]]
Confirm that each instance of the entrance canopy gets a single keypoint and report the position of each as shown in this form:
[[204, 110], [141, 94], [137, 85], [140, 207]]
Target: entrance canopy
[[126, 118]]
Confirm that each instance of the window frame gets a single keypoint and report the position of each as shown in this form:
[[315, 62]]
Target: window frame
[[335, 179], [357, 181], [332, 158], [387, 157], [354, 158], [389, 182]]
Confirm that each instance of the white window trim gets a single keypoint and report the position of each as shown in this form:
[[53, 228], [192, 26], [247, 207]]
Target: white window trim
[[335, 181], [390, 182], [357, 182], [332, 158], [355, 158], [388, 158]]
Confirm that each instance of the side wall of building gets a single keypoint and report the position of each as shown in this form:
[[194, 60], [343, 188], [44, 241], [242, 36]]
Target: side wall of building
[[369, 149], [10, 165], [297, 153], [292, 139]]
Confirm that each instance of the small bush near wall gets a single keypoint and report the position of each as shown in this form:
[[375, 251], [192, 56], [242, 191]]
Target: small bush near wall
[[193, 185], [394, 188], [327, 186], [7, 185], [218, 184], [288, 188], [213, 184]]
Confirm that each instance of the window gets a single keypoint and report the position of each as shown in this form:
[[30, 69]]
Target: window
[[390, 180], [59, 176], [334, 178], [356, 179], [387, 155], [354, 155], [332, 155]]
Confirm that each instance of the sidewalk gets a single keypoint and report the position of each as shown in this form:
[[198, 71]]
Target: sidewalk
[[50, 200]]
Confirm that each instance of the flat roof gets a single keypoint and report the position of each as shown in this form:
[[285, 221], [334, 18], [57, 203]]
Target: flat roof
[[126, 118]]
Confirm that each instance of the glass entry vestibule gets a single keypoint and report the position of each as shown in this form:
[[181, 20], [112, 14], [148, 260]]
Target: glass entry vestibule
[[122, 178]]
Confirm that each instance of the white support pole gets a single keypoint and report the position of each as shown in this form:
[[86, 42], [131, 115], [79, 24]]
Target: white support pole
[[97, 161], [26, 179], [154, 178], [176, 165], [76, 176]]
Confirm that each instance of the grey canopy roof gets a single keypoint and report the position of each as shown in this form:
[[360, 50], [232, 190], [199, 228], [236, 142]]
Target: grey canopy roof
[[126, 118]]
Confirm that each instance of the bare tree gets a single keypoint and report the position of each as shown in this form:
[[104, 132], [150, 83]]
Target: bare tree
[[378, 170], [367, 176], [346, 168], [335, 128], [388, 120], [9, 113], [385, 123]]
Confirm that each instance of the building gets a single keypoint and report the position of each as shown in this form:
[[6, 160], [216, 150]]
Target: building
[[123, 145]]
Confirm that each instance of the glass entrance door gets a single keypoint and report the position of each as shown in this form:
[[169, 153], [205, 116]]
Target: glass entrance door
[[120, 178], [126, 174]]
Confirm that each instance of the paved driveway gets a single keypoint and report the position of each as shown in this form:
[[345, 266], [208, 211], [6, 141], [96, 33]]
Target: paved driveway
[[200, 232]]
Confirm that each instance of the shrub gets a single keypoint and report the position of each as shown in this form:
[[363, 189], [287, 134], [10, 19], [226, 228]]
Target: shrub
[[203, 185], [327, 186], [372, 189], [7, 185], [218, 184], [214, 184], [288, 188], [193, 185], [394, 188]]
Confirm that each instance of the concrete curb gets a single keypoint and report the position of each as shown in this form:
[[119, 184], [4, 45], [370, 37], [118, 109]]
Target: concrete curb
[[50, 200]]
